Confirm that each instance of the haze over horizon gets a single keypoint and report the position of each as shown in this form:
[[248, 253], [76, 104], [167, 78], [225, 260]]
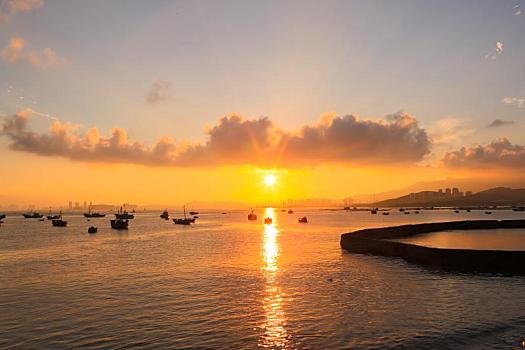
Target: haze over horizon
[[174, 101]]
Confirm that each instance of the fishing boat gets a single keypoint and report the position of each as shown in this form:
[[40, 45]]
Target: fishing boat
[[2, 216], [59, 222], [416, 212], [303, 220], [194, 213], [183, 221], [123, 215], [252, 216], [165, 215], [456, 211], [373, 211], [32, 215], [268, 221], [93, 214], [386, 213], [488, 212], [92, 229], [518, 209], [119, 224], [407, 212], [50, 216], [290, 211]]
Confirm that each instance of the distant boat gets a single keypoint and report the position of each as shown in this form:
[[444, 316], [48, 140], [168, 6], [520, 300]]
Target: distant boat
[[2, 216], [468, 210], [119, 224], [59, 222], [373, 211], [194, 213], [283, 210], [518, 209], [407, 212], [165, 215], [183, 221], [92, 229], [50, 216], [386, 213], [224, 213], [93, 214], [32, 215], [416, 212], [456, 211], [290, 211], [401, 209], [252, 216], [488, 212], [303, 220], [268, 220], [123, 215]]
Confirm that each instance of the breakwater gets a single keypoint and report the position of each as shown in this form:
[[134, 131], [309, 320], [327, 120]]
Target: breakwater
[[376, 241]]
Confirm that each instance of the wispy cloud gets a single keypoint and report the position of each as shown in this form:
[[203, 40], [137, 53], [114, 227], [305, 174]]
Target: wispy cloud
[[499, 122], [499, 153], [18, 52], [235, 141], [159, 91], [514, 101], [9, 8], [495, 52], [450, 130]]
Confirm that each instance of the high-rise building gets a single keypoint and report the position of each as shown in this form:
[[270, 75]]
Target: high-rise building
[[468, 193], [70, 205], [448, 192], [455, 192], [85, 205]]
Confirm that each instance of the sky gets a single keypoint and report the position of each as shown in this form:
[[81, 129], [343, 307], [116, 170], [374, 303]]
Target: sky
[[172, 101]]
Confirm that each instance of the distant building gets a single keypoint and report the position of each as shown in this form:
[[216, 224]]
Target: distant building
[[468, 193], [85, 205], [70, 205], [448, 192], [455, 192]]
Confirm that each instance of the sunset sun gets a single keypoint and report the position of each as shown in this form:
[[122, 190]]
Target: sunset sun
[[270, 180]]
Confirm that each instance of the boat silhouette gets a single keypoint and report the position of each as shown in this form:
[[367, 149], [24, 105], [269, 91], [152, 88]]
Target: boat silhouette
[[123, 215], [252, 216], [32, 215], [119, 224]]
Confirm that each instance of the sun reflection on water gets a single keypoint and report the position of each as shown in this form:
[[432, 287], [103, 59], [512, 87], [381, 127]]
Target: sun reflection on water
[[275, 334]]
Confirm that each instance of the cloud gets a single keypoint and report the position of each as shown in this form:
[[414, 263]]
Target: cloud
[[160, 91], [450, 130], [9, 8], [499, 153], [495, 52], [235, 141], [498, 122], [515, 101], [18, 52]]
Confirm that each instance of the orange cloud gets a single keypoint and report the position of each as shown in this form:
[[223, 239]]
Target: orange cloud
[[498, 154], [10, 8], [236, 141], [18, 52]]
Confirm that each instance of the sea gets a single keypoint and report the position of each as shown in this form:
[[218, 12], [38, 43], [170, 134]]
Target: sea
[[229, 283]]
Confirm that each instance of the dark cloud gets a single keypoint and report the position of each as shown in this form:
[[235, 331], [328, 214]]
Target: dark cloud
[[499, 122], [236, 141], [499, 153], [160, 91]]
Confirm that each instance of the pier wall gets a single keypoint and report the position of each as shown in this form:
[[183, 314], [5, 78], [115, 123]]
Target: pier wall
[[375, 241]]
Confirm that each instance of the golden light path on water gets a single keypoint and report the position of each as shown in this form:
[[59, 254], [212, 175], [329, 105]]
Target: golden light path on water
[[275, 334]]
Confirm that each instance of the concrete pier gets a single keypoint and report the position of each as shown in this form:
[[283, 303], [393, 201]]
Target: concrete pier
[[376, 241]]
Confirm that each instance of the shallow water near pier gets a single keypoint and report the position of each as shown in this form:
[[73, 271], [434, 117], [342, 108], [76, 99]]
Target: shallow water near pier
[[491, 239], [228, 283]]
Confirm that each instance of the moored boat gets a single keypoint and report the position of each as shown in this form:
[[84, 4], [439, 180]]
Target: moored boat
[[183, 221], [268, 221], [252, 216], [165, 215], [290, 211], [92, 229], [123, 215], [303, 220], [373, 211], [119, 224], [93, 214], [2, 216], [59, 223], [32, 215]]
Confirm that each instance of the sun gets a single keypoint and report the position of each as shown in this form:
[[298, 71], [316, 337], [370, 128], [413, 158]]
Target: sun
[[270, 180]]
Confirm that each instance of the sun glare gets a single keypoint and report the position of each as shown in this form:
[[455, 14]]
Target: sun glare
[[270, 180]]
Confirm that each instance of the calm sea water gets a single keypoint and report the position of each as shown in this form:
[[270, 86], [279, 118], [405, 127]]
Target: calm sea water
[[494, 239], [226, 283]]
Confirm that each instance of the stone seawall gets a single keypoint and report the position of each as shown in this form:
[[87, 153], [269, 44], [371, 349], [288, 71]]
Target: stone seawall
[[375, 241]]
